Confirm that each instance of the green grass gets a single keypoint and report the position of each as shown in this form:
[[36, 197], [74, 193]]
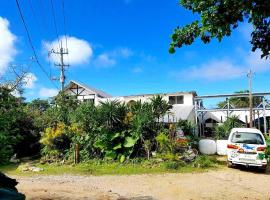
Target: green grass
[[97, 167]]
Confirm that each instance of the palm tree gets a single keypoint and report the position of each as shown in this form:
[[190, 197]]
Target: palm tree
[[112, 113], [160, 106]]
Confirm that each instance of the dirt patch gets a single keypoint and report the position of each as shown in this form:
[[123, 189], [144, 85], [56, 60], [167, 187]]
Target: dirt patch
[[229, 184]]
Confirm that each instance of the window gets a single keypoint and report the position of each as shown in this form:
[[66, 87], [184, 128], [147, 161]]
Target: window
[[172, 100], [247, 138], [176, 100], [179, 100], [88, 100]]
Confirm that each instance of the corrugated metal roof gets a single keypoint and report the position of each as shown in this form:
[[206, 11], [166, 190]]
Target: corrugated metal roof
[[179, 112]]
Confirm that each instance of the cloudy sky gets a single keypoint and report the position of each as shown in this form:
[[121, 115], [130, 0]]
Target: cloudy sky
[[121, 47]]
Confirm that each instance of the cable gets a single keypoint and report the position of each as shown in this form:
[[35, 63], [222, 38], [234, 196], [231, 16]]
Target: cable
[[65, 26], [55, 26], [31, 43]]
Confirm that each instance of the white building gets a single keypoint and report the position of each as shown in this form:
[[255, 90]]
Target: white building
[[182, 102], [182, 106]]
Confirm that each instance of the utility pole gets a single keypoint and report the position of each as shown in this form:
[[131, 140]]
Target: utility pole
[[249, 75], [61, 64]]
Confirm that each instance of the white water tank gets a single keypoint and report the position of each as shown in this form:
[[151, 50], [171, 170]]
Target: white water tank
[[208, 146], [222, 147]]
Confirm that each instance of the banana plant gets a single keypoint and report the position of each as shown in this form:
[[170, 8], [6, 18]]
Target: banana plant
[[117, 146]]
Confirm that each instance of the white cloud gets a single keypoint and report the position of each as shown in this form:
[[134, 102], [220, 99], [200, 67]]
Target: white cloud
[[137, 70], [47, 92], [147, 58], [104, 60], [212, 70], [225, 69], [29, 80], [122, 52], [256, 63], [80, 51], [7, 45]]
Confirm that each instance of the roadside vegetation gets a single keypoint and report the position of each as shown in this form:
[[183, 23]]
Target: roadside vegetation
[[104, 167], [111, 138]]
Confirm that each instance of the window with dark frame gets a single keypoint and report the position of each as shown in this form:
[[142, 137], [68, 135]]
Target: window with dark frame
[[176, 99], [172, 100], [179, 99]]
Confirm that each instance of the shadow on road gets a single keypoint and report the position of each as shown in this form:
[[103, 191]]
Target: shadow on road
[[254, 170]]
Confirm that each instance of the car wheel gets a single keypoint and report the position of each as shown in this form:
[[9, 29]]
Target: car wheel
[[230, 164], [263, 169]]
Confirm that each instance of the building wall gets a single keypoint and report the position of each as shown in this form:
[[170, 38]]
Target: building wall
[[188, 98]]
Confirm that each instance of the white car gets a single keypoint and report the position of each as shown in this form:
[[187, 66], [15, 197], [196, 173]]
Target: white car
[[246, 146]]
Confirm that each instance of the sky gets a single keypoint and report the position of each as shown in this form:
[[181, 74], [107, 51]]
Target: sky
[[121, 47]]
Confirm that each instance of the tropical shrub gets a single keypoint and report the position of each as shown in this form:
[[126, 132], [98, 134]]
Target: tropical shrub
[[174, 164], [204, 161], [164, 144], [223, 130], [186, 126], [267, 151], [119, 145]]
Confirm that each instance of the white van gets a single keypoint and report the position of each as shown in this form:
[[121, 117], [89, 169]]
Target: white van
[[246, 146]]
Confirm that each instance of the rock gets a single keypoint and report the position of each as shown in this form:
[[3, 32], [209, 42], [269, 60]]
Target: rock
[[14, 159], [35, 169], [32, 168], [189, 155]]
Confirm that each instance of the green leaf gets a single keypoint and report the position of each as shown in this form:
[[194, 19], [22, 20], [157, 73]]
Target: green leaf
[[116, 135], [130, 142], [268, 143], [171, 50], [117, 146], [110, 155], [122, 158], [99, 144]]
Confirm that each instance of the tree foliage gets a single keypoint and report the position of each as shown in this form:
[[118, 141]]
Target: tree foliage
[[240, 102], [218, 18], [223, 130], [110, 130], [17, 130]]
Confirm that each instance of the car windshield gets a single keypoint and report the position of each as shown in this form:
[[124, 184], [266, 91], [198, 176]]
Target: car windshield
[[247, 138]]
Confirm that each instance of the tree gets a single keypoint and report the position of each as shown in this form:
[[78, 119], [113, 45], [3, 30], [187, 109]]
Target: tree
[[112, 114], [160, 106], [241, 102], [11, 129], [223, 130], [218, 18], [39, 104]]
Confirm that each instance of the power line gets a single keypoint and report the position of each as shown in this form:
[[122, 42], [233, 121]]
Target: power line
[[31, 43], [65, 25], [54, 22]]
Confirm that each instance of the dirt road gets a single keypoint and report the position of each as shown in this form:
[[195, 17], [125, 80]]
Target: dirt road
[[221, 184]]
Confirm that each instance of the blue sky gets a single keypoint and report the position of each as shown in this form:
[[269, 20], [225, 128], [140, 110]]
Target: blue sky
[[121, 47]]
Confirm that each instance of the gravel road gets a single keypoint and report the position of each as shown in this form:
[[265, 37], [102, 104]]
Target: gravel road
[[229, 184]]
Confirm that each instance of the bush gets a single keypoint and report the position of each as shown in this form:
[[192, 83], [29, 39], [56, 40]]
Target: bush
[[186, 126], [163, 142], [267, 151], [205, 161], [223, 130], [174, 164]]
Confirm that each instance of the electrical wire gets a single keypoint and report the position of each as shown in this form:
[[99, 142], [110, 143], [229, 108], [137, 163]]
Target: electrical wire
[[31, 43], [55, 25], [65, 25]]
